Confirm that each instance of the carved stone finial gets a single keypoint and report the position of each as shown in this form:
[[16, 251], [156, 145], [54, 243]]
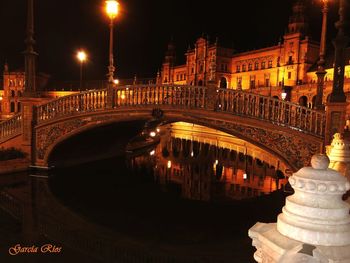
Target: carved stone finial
[[320, 162], [316, 214]]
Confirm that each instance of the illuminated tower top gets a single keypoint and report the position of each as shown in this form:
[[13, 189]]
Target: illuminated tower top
[[297, 21]]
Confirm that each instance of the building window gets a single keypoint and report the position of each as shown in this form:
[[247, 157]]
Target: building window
[[269, 64], [250, 66], [244, 67], [252, 82], [201, 69], [289, 75], [192, 70], [18, 106], [256, 66], [239, 82], [267, 82], [290, 60], [19, 94], [263, 65], [12, 93], [184, 76], [12, 107], [238, 68]]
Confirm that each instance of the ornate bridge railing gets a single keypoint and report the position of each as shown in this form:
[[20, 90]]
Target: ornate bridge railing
[[181, 96], [69, 105], [11, 127], [272, 110], [235, 102]]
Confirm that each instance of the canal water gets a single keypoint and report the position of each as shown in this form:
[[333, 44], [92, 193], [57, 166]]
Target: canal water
[[175, 193]]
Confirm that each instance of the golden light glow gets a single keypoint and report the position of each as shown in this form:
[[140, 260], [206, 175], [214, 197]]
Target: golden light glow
[[1, 98], [116, 81], [112, 8], [122, 96], [81, 56], [169, 164]]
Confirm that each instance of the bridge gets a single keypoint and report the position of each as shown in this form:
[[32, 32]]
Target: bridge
[[287, 130]]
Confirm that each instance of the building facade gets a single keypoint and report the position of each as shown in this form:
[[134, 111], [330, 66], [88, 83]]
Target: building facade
[[289, 66]]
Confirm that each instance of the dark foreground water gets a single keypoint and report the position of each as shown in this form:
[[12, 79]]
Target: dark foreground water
[[171, 202]]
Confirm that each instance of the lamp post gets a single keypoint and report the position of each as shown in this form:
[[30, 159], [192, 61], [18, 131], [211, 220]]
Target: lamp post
[[81, 56], [320, 70], [112, 9]]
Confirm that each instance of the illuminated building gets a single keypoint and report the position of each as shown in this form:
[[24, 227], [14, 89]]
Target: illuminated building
[[290, 65]]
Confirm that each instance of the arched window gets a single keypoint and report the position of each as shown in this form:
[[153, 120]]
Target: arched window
[[12, 107], [223, 83], [303, 101]]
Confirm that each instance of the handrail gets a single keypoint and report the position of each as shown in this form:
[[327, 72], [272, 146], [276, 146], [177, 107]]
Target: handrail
[[236, 102], [86, 101], [272, 110], [11, 127]]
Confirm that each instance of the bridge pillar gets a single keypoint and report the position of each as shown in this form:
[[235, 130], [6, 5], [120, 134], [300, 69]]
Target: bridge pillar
[[335, 119], [29, 119]]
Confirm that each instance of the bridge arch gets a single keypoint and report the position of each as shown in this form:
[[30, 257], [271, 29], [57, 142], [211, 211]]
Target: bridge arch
[[289, 146], [288, 130]]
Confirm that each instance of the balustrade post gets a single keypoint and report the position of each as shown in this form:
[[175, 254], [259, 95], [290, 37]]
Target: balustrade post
[[29, 120], [212, 96], [110, 97]]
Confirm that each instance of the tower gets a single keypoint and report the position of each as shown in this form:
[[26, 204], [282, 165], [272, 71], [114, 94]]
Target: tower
[[296, 31], [168, 64]]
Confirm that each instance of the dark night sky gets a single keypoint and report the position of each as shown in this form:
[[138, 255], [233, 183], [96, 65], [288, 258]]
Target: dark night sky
[[142, 31]]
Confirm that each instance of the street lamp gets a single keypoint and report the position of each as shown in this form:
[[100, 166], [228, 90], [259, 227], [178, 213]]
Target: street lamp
[[321, 72], [81, 56], [112, 9], [284, 94]]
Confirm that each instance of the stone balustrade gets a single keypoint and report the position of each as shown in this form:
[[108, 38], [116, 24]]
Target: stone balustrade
[[235, 102], [77, 103], [272, 110], [180, 96], [11, 127]]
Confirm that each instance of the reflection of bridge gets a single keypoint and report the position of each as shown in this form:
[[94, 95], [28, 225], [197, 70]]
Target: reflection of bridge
[[288, 130]]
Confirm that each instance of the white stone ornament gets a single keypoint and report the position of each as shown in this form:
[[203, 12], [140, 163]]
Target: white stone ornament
[[316, 214], [314, 226]]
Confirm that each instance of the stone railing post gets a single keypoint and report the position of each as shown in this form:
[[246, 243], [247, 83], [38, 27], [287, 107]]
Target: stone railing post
[[335, 119], [211, 95], [110, 96], [29, 120], [314, 225]]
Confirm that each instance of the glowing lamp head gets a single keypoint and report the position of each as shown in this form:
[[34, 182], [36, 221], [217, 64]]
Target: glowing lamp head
[[112, 8], [1, 98], [152, 134], [284, 95], [245, 176], [169, 164], [81, 56], [116, 81]]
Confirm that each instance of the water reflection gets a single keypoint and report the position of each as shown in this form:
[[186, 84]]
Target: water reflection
[[203, 164], [103, 212]]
